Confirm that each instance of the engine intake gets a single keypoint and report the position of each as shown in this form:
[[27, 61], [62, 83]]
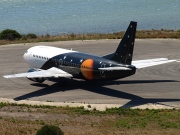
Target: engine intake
[[39, 80]]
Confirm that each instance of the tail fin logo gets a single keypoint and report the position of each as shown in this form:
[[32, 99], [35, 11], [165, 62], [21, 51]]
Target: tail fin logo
[[124, 52]]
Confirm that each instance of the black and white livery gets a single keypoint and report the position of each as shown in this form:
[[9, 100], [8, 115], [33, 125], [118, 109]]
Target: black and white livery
[[50, 62]]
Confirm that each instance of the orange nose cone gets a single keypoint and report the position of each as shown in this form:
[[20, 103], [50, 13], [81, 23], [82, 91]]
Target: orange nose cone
[[87, 69]]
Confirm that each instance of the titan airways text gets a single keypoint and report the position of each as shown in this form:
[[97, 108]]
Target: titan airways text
[[50, 62]]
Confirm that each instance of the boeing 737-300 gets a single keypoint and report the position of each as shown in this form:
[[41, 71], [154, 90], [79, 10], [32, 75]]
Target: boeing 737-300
[[50, 62]]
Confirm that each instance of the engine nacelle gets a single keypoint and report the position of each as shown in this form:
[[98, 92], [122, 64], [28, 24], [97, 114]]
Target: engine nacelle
[[39, 80]]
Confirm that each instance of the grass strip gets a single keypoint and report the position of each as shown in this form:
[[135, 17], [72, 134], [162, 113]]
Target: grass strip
[[118, 35]]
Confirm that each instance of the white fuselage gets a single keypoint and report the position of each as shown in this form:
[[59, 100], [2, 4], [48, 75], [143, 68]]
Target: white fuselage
[[38, 55]]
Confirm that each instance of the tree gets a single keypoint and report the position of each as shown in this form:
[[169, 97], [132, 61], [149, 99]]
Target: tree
[[9, 34]]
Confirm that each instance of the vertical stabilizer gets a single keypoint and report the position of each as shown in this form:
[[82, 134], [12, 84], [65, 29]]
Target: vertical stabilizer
[[124, 52]]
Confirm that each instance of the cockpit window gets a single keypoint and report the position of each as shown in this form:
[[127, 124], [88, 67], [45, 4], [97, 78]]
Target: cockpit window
[[26, 52]]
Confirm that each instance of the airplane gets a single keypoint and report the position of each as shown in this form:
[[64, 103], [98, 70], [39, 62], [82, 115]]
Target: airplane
[[48, 62]]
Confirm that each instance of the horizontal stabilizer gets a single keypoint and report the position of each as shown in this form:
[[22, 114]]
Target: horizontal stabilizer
[[114, 68], [52, 72], [150, 62]]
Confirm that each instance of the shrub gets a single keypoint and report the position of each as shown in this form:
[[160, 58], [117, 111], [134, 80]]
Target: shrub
[[49, 130], [31, 36], [89, 106], [9, 34]]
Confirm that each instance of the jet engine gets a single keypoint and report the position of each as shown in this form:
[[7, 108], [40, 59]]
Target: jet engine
[[39, 80]]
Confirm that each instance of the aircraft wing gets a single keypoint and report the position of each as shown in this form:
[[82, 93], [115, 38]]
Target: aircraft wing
[[52, 72], [150, 62]]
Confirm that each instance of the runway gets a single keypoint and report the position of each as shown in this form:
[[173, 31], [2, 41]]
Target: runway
[[155, 85]]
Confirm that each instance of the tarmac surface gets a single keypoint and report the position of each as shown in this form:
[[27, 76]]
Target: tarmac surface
[[158, 85]]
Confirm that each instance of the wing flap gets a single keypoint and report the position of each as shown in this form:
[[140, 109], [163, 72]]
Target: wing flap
[[52, 72], [150, 62]]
